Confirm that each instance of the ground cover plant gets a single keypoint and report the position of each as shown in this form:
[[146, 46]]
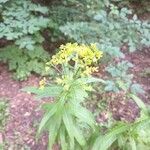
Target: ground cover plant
[[82, 70], [4, 113], [24, 62]]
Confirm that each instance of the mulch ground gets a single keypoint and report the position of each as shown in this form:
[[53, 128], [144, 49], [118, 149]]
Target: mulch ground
[[141, 71], [25, 113], [20, 129]]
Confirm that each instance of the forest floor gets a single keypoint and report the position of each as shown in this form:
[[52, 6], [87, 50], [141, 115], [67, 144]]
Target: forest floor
[[25, 113]]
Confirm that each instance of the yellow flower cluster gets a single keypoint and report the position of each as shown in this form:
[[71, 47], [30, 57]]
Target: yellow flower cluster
[[89, 70], [84, 56], [42, 83]]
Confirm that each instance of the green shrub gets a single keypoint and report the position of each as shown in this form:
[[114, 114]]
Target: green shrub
[[24, 62], [73, 10], [121, 79], [110, 30], [21, 21], [112, 27]]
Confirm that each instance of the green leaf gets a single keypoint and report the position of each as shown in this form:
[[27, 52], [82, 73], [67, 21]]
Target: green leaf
[[132, 143], [52, 135], [78, 136], [122, 85], [49, 91], [39, 8], [46, 118], [53, 130], [136, 88], [68, 122], [139, 102], [3, 1], [121, 140], [79, 94], [103, 142], [63, 139], [142, 123], [84, 115], [47, 106]]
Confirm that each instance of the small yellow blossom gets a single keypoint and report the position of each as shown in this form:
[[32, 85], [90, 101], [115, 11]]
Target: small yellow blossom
[[66, 87], [59, 80], [47, 68], [42, 83], [89, 70]]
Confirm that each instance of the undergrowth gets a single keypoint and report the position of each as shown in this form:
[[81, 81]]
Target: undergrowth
[[24, 62], [22, 21], [4, 114]]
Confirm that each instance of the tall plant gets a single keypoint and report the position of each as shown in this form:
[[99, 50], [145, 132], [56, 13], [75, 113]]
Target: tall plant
[[66, 120]]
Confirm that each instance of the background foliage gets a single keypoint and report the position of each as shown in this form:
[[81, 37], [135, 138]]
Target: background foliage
[[26, 26], [21, 21], [24, 62]]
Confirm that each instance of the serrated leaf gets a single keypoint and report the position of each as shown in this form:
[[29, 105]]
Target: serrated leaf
[[39, 8], [136, 88]]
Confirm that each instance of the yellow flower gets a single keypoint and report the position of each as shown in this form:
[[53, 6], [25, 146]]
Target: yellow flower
[[42, 83], [59, 80], [89, 70], [82, 50], [84, 56], [66, 87], [47, 68]]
